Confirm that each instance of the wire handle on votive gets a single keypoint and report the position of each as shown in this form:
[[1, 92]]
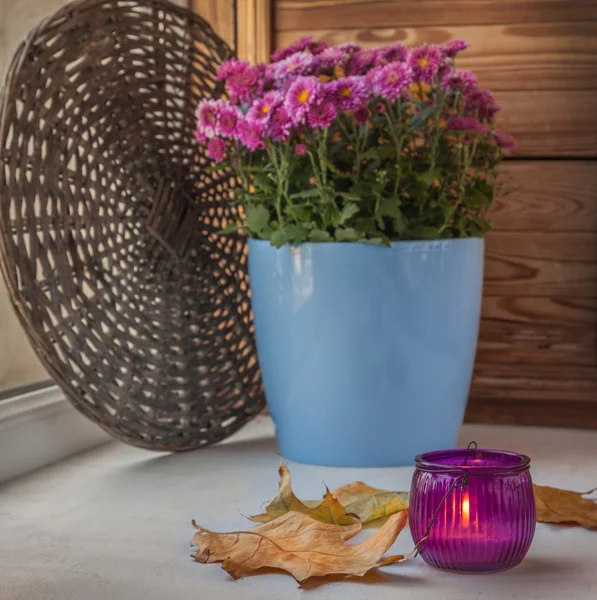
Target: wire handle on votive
[[460, 482]]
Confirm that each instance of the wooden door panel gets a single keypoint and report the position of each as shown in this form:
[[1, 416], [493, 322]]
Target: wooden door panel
[[353, 14], [537, 351], [513, 56]]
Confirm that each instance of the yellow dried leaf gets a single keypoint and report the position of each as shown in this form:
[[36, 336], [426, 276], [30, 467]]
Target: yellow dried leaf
[[370, 503], [300, 545], [329, 510], [563, 506]]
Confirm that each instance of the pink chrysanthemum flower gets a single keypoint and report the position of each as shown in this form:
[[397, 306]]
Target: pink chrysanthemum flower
[[263, 81], [201, 137], [460, 81], [426, 62], [330, 58], [299, 63], [452, 48], [504, 140], [250, 133], [362, 61], [349, 92], [216, 149], [481, 103], [279, 124], [349, 47], [208, 117], [241, 79], [263, 108], [298, 46], [300, 149], [361, 114], [390, 81], [316, 48], [466, 124], [321, 113], [301, 94], [394, 53], [229, 116], [227, 68]]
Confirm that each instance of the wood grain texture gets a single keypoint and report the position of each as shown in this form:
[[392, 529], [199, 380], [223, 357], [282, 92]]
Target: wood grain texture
[[220, 15], [254, 29], [538, 81], [518, 344], [525, 411], [536, 382], [542, 310], [540, 56], [541, 264], [551, 124], [537, 351], [347, 14], [546, 196]]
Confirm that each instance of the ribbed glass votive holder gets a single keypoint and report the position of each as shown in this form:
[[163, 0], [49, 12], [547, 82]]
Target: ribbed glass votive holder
[[472, 510]]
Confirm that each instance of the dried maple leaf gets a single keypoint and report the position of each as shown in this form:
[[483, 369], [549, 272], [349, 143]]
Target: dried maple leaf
[[329, 510], [370, 503], [300, 545], [563, 506]]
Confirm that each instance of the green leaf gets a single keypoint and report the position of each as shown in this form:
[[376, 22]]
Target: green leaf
[[310, 193], [380, 240], [289, 234], [348, 234], [372, 166], [319, 235], [261, 169], [262, 180], [349, 210], [485, 187], [350, 196], [340, 217], [330, 165], [418, 191], [229, 229], [257, 217], [366, 224], [422, 232], [386, 153], [371, 153], [419, 120], [426, 178], [478, 198], [302, 212], [400, 224], [388, 207], [220, 167]]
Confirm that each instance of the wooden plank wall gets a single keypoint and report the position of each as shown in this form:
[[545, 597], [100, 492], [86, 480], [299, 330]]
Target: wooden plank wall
[[537, 353]]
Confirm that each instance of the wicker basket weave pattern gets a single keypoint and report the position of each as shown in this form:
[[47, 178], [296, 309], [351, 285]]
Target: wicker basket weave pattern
[[109, 214]]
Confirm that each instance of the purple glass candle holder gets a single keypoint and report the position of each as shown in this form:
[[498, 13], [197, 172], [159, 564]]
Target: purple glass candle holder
[[472, 511]]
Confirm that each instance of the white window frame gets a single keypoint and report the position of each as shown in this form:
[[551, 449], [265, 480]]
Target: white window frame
[[41, 427]]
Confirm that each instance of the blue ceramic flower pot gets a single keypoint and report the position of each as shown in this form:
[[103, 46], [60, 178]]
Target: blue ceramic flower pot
[[366, 352]]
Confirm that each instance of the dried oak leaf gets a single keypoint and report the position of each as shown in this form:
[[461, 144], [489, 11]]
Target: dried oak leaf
[[329, 510], [563, 506], [300, 545], [370, 503]]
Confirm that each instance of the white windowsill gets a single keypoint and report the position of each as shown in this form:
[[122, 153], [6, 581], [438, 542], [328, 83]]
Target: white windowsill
[[116, 523], [39, 428]]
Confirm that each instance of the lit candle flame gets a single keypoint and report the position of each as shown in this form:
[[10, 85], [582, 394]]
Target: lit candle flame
[[466, 509]]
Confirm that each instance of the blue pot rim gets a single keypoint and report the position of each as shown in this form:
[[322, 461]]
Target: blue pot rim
[[369, 245]]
